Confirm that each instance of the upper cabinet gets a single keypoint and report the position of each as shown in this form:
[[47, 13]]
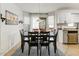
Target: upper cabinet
[[61, 17], [75, 17], [67, 16]]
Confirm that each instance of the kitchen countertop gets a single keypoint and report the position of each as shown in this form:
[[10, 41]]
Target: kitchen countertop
[[70, 29]]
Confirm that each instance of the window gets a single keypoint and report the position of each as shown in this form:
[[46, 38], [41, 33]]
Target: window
[[51, 21], [35, 22]]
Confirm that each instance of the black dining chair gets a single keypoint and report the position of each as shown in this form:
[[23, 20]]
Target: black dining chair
[[55, 41], [22, 40], [44, 41], [33, 41]]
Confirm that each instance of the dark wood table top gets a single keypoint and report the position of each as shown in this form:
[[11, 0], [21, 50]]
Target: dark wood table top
[[38, 36], [51, 36]]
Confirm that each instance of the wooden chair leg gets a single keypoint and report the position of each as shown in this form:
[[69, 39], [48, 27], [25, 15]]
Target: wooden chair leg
[[29, 51], [40, 50], [37, 51], [55, 47], [48, 50], [22, 47]]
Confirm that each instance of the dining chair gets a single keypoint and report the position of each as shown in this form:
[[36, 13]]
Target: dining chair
[[44, 41], [55, 41], [22, 40], [33, 41]]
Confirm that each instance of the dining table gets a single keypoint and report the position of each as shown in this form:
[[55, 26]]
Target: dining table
[[50, 36]]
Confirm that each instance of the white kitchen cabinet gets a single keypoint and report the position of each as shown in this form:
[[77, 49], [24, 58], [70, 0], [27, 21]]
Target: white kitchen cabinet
[[61, 17], [75, 17], [68, 16]]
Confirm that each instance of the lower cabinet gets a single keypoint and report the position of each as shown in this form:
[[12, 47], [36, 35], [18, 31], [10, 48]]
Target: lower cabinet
[[70, 36]]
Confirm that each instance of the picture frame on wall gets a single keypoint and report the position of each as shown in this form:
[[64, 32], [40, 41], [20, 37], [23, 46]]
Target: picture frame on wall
[[42, 23], [11, 18]]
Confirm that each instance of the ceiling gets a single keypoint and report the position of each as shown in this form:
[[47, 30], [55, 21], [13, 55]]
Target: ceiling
[[46, 7]]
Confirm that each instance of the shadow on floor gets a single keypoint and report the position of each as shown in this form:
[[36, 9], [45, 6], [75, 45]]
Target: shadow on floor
[[34, 51]]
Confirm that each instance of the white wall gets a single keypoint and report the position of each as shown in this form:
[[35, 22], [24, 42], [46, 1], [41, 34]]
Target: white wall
[[0, 8], [0, 34], [10, 35], [12, 8], [26, 18], [39, 15]]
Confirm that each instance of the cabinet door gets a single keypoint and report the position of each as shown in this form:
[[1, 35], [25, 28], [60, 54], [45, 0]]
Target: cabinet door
[[61, 17], [72, 38], [75, 17]]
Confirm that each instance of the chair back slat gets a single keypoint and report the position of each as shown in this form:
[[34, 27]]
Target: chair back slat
[[33, 36], [44, 36], [55, 36]]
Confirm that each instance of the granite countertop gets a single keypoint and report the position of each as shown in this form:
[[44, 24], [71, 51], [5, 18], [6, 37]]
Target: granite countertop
[[70, 29]]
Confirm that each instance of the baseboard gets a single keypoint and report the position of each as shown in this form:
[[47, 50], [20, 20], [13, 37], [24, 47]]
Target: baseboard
[[12, 50]]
